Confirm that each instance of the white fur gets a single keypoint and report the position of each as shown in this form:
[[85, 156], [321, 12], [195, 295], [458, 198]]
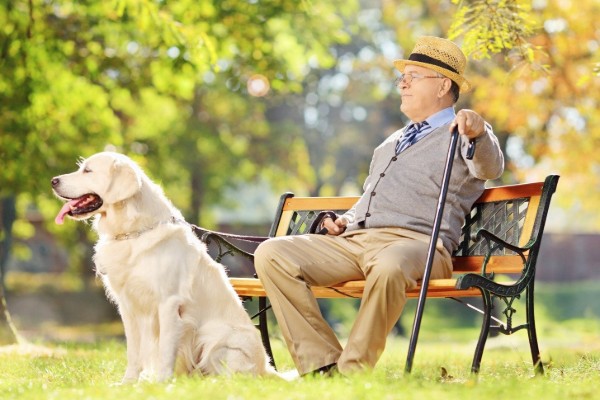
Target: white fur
[[174, 299]]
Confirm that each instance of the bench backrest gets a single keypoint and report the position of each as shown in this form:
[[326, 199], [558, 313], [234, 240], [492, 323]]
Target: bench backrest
[[514, 213]]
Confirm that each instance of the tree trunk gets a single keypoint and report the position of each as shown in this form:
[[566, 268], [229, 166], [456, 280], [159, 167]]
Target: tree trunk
[[196, 183], [8, 333]]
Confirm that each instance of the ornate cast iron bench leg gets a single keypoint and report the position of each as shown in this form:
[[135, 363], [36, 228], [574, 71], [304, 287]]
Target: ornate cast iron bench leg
[[264, 328], [532, 333], [488, 305], [262, 325], [485, 330]]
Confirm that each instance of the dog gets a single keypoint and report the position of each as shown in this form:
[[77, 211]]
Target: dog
[[179, 310]]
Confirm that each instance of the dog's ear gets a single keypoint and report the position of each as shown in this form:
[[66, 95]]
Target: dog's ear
[[125, 181]]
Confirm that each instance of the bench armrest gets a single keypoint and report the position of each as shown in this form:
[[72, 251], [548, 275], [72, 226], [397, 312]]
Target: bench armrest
[[494, 243], [490, 237], [225, 245], [471, 280], [485, 280]]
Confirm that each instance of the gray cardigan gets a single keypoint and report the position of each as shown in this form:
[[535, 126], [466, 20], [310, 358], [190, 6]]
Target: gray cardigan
[[403, 191]]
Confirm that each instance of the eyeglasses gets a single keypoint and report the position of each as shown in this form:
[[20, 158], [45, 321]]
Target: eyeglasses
[[408, 78]]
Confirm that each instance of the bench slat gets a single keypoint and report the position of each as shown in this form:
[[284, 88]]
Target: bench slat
[[320, 203], [511, 264], [500, 193], [510, 192], [437, 288]]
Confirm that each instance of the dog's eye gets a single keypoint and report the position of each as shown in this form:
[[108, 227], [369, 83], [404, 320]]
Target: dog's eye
[[86, 170]]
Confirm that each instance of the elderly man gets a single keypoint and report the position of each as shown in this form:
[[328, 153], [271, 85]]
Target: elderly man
[[384, 238]]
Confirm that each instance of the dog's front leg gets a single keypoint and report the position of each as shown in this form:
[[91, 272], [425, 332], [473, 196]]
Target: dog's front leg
[[133, 341], [171, 331]]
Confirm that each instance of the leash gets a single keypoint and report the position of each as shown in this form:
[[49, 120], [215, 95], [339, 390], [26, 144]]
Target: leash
[[198, 230], [243, 238]]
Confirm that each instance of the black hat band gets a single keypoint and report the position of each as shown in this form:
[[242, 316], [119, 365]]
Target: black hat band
[[430, 60]]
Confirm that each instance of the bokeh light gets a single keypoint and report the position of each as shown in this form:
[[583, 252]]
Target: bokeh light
[[258, 85]]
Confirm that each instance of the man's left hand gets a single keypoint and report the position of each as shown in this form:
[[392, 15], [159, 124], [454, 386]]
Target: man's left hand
[[469, 123]]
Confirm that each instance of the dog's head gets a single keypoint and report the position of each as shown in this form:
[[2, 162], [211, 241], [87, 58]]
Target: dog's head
[[102, 180]]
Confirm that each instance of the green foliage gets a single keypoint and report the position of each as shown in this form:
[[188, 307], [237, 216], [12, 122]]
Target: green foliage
[[164, 82], [547, 110], [77, 77], [490, 27]]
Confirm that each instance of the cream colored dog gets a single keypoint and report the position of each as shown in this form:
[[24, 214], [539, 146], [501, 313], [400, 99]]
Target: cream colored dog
[[175, 300]]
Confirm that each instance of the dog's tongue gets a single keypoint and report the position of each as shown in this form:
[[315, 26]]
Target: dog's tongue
[[60, 218]]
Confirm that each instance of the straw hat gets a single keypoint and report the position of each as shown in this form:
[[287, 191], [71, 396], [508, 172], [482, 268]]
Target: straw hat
[[441, 55]]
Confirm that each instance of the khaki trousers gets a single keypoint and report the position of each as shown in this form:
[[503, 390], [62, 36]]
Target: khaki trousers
[[390, 260]]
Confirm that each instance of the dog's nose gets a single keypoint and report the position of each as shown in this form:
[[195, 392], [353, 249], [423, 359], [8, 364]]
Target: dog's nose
[[55, 182]]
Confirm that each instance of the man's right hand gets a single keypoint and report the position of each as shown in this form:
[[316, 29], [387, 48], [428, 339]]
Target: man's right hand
[[336, 227]]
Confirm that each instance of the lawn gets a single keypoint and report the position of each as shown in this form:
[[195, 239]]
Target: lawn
[[87, 362], [440, 371]]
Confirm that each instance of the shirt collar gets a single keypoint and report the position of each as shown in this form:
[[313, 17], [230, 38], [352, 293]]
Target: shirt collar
[[440, 118]]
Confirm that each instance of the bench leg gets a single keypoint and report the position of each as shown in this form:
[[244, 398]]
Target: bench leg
[[485, 330], [531, 332], [264, 329]]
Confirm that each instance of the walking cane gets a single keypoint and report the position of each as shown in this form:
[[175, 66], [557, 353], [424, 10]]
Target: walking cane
[[434, 235]]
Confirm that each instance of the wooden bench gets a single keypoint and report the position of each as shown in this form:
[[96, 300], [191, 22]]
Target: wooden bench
[[501, 236]]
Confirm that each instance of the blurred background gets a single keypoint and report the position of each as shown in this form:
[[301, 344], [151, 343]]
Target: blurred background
[[229, 103]]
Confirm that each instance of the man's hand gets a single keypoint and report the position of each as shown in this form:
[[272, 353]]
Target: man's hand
[[336, 227], [469, 123]]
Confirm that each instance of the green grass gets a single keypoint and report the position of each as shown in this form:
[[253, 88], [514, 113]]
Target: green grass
[[89, 371], [568, 330]]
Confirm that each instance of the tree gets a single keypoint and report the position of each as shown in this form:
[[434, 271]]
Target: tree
[[141, 76], [174, 85], [549, 107]]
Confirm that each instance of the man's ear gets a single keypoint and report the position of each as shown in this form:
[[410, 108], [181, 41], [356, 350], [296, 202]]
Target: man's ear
[[125, 182], [444, 87]]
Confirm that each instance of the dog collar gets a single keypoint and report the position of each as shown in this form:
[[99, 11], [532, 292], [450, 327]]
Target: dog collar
[[136, 234]]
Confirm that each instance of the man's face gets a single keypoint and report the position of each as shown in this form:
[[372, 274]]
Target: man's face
[[421, 97]]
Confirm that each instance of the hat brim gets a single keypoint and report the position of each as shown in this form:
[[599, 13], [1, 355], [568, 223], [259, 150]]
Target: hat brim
[[463, 84]]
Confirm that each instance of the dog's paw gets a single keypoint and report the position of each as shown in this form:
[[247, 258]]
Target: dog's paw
[[164, 376], [128, 379]]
